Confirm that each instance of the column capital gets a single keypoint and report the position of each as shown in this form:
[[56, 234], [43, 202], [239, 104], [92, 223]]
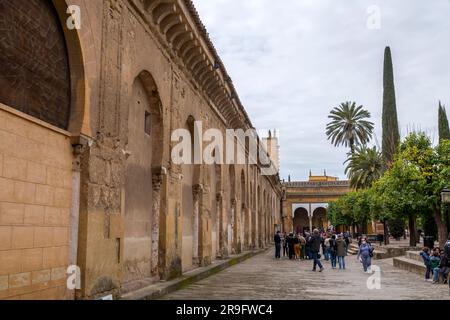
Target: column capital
[[78, 149], [157, 182], [197, 189]]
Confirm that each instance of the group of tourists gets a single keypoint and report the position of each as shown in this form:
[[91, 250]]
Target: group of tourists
[[437, 263], [334, 247]]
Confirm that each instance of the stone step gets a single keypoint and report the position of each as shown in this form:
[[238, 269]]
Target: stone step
[[410, 265], [414, 255]]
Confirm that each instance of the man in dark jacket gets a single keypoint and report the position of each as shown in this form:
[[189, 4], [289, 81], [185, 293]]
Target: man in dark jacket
[[447, 249], [315, 243], [277, 240], [308, 245], [290, 242]]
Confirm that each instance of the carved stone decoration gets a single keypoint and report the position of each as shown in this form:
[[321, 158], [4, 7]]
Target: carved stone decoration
[[111, 65]]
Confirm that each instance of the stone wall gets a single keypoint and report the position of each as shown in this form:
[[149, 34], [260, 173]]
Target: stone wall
[[35, 202], [139, 70]]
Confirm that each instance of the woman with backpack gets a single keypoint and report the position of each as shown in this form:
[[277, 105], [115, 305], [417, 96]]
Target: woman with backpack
[[365, 254], [341, 251], [333, 251]]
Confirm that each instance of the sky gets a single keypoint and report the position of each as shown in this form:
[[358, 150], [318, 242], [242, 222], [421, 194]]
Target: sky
[[292, 61]]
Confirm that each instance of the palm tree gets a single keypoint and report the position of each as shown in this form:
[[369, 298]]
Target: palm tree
[[365, 166], [349, 126]]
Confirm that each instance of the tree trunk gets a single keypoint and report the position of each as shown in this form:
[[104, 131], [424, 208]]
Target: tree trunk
[[412, 230], [352, 146], [442, 228], [386, 236]]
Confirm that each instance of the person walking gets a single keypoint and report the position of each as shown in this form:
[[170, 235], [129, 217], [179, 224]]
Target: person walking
[[290, 241], [333, 251], [327, 247], [302, 247], [341, 251], [322, 239], [348, 240], [277, 240], [308, 246], [315, 243], [285, 245], [296, 241], [365, 252]]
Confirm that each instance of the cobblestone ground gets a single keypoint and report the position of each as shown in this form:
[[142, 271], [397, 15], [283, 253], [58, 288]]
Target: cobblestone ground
[[264, 278]]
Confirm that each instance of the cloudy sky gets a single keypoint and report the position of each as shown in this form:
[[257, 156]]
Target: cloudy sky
[[292, 61]]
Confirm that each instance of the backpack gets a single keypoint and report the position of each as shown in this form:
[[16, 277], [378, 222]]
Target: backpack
[[332, 246], [371, 250]]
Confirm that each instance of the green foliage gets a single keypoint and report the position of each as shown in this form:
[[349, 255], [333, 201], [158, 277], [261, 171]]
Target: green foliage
[[391, 135], [410, 188], [353, 208], [349, 126], [444, 130], [397, 228], [365, 167]]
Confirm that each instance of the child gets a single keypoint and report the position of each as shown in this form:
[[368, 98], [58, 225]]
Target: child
[[435, 261], [426, 260]]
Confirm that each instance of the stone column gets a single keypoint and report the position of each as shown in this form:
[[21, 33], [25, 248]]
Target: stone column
[[78, 151], [233, 235], [249, 228], [197, 192], [156, 209], [220, 232]]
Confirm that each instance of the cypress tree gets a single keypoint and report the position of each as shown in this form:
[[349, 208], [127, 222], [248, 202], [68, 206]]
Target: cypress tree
[[444, 130], [391, 135]]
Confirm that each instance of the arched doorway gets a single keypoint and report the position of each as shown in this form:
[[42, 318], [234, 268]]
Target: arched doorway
[[320, 218], [301, 220], [144, 145]]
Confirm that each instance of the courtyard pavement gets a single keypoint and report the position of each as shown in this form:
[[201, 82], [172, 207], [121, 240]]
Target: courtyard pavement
[[264, 278]]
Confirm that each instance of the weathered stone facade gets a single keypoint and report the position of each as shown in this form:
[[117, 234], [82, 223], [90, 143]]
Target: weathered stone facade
[[305, 203], [101, 191]]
